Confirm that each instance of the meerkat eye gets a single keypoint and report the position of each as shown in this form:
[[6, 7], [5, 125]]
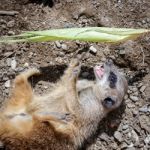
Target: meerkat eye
[[112, 79], [108, 102]]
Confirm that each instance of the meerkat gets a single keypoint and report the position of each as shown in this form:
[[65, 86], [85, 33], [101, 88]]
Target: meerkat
[[64, 118]]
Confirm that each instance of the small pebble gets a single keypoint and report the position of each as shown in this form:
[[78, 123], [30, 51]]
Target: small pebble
[[104, 137], [8, 54], [10, 24], [147, 139], [58, 45], [124, 145], [142, 89], [135, 112], [124, 127], [26, 65], [144, 109], [93, 49], [118, 136], [135, 136], [61, 54], [133, 88], [45, 87], [122, 52], [7, 84], [140, 85], [130, 105], [64, 46], [136, 93], [11, 33], [134, 98], [8, 61], [13, 64]]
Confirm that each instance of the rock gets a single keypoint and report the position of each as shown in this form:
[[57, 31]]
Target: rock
[[129, 91], [140, 85], [144, 109], [130, 105], [10, 24], [3, 26], [122, 52], [8, 61], [45, 87], [135, 112], [129, 135], [8, 54], [131, 148], [126, 97], [93, 49], [147, 139], [124, 127], [3, 21], [142, 89], [136, 93], [134, 98], [19, 69], [118, 136], [58, 45], [75, 15], [64, 47], [11, 33], [26, 65], [59, 60], [104, 137], [5, 78], [7, 84], [135, 137], [124, 145], [30, 54], [133, 88], [13, 64], [143, 21], [61, 54], [145, 122]]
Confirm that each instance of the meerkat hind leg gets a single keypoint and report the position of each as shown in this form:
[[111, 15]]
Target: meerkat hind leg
[[22, 91]]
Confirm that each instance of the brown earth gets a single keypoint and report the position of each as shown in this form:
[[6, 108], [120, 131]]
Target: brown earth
[[129, 126]]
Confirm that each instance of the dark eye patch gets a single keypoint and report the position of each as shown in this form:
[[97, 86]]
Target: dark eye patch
[[112, 80]]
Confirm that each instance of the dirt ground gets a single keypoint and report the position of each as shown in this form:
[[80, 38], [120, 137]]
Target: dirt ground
[[129, 126]]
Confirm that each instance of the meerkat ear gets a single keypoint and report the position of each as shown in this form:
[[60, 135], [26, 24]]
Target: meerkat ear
[[63, 118]]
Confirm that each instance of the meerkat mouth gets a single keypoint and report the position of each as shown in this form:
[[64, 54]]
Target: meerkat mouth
[[99, 70]]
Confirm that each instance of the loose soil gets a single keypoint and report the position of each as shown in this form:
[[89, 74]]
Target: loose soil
[[129, 126]]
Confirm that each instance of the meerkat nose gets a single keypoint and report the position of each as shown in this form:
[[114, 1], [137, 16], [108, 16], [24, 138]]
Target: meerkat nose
[[109, 62]]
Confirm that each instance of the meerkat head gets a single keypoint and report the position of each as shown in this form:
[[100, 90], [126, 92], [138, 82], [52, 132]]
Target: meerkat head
[[111, 85]]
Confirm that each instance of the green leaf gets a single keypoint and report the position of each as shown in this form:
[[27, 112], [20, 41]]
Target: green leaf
[[92, 34]]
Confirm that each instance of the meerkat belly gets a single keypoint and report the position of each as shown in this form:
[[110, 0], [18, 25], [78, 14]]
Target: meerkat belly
[[47, 103]]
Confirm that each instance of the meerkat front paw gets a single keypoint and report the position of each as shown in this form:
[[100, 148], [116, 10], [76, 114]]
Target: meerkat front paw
[[76, 71], [74, 62]]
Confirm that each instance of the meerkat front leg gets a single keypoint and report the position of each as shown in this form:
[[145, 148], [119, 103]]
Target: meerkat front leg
[[71, 75], [69, 80]]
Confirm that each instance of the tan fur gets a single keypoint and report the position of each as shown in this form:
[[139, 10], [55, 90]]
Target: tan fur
[[60, 120]]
